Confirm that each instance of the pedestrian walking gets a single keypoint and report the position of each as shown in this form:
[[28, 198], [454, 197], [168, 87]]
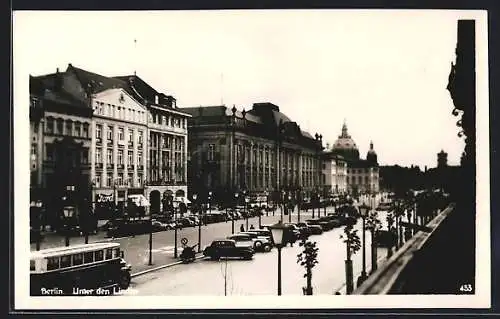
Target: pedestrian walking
[[251, 227], [242, 228]]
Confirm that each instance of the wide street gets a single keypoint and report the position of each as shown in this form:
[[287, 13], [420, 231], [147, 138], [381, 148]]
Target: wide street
[[258, 276]]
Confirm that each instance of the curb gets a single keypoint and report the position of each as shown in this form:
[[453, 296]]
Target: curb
[[140, 273]]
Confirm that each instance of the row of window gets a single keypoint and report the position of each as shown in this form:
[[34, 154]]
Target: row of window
[[120, 156], [120, 134], [76, 157], [171, 121], [166, 141], [107, 180], [359, 179], [81, 258], [66, 127], [360, 170], [120, 112]]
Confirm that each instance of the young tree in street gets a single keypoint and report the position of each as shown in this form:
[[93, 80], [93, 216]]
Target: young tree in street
[[353, 244], [373, 224], [308, 258]]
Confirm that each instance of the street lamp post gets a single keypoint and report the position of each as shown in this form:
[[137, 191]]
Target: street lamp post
[[210, 202], [363, 209], [282, 205], [267, 203], [199, 222], [247, 200], [175, 233], [289, 210], [235, 204], [277, 232], [150, 238]]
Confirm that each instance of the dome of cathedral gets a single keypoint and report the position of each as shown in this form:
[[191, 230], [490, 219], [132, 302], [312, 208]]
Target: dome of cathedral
[[345, 145]]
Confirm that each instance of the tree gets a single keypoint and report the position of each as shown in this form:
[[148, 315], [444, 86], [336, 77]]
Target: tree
[[353, 244], [308, 259]]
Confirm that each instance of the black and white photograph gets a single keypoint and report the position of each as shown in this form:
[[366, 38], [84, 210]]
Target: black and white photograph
[[251, 159]]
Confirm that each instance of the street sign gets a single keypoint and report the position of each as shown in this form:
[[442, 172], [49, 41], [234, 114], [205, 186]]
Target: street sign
[[417, 227], [184, 241]]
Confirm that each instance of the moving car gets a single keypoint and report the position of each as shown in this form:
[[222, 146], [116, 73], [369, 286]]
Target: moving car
[[227, 248]]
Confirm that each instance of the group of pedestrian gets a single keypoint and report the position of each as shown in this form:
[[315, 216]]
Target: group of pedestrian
[[242, 228]]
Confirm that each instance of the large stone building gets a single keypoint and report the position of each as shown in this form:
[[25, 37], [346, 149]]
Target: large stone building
[[257, 151], [60, 135], [167, 136], [362, 175], [106, 135], [334, 173]]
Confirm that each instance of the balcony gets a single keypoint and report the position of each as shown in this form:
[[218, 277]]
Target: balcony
[[109, 166], [120, 166], [110, 143], [412, 269], [98, 165], [130, 167], [98, 140], [140, 167]]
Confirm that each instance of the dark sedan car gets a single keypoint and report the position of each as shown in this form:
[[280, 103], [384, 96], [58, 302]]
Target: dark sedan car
[[227, 248]]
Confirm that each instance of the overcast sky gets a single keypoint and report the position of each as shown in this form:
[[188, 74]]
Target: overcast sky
[[384, 72]]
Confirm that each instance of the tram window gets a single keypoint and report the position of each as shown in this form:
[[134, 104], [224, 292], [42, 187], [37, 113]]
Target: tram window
[[89, 257], [52, 263], [65, 261], [99, 255], [117, 252], [109, 253], [77, 259]]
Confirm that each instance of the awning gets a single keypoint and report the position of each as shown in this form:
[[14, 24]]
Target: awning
[[139, 200]]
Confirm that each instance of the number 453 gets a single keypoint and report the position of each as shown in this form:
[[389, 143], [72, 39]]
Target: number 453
[[466, 288]]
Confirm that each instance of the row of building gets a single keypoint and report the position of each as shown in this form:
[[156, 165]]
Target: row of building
[[106, 138]]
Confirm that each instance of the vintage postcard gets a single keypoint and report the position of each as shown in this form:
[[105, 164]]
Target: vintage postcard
[[251, 159]]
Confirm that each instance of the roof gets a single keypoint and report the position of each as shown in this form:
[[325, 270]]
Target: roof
[[217, 110], [71, 249], [97, 82], [45, 86]]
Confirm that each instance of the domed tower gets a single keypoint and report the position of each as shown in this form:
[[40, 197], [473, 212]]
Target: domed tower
[[371, 156], [345, 145], [442, 159]]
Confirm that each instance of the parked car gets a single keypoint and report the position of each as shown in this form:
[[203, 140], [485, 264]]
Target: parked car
[[185, 222], [305, 229], [261, 242], [316, 228], [227, 248], [129, 227], [251, 240], [160, 225]]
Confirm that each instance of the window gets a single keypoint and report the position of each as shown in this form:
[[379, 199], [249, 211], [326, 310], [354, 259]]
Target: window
[[33, 149], [85, 130], [109, 156], [109, 181], [69, 128], [130, 158], [98, 181], [88, 257], [211, 152], [49, 150], [109, 253], [163, 120], [120, 179], [140, 137], [116, 252], [120, 134], [65, 261], [139, 158], [366, 179], [99, 255], [120, 157], [78, 129], [59, 127], [139, 179], [77, 259], [49, 126], [52, 263], [130, 180], [110, 133], [98, 157], [98, 131], [85, 156], [32, 265], [130, 135]]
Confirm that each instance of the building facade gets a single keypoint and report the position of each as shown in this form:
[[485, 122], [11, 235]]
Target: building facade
[[108, 137], [167, 136], [119, 130], [60, 135], [334, 173], [362, 174], [259, 151]]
